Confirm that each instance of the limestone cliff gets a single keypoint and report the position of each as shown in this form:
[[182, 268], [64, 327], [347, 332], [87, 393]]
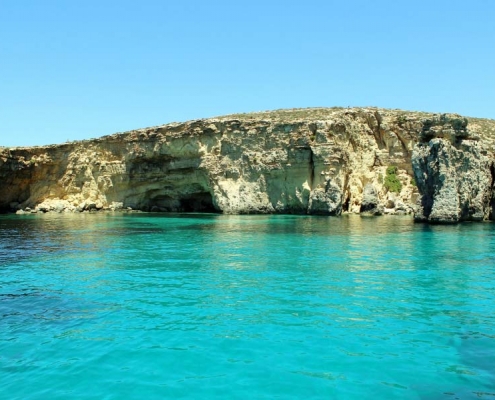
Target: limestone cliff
[[314, 161]]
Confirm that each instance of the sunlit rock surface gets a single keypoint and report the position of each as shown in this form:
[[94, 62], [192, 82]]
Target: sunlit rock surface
[[306, 161]]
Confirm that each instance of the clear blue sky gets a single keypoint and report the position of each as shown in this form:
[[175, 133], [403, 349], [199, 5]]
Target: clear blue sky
[[82, 69]]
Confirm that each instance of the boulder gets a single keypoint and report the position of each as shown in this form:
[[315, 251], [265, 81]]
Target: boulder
[[371, 203]]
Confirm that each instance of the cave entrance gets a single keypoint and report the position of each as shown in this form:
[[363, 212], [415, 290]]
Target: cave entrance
[[197, 202]]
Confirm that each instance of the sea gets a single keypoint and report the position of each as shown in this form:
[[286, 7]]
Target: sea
[[208, 306]]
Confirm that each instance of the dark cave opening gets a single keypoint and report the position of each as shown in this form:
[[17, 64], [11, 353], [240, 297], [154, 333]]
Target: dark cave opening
[[195, 202], [198, 202]]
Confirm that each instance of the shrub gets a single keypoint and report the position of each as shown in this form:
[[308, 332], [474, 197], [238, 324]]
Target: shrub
[[392, 170], [401, 119], [459, 123], [392, 183]]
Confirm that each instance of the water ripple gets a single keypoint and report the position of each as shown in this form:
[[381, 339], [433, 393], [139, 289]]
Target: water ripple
[[139, 306]]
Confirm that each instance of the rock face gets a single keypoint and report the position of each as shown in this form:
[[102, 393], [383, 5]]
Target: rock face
[[305, 161], [454, 171]]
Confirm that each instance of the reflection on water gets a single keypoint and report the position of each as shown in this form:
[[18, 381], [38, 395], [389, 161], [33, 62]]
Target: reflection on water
[[245, 306]]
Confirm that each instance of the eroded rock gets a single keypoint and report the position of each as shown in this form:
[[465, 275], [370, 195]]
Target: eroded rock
[[316, 161], [371, 202], [455, 181]]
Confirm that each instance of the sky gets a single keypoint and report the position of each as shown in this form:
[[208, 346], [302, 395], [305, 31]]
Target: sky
[[72, 70]]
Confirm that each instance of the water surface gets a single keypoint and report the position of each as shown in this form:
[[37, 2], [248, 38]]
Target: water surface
[[128, 306]]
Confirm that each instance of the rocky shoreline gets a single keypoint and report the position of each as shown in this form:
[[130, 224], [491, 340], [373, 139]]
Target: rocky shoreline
[[323, 161]]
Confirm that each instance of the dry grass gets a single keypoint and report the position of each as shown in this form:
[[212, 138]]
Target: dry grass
[[289, 114]]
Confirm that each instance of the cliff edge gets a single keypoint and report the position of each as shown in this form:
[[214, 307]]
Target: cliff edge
[[441, 167]]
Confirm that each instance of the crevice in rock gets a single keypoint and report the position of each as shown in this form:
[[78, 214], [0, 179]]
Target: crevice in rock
[[431, 182], [403, 143], [312, 128], [345, 204], [311, 169], [347, 195], [377, 131]]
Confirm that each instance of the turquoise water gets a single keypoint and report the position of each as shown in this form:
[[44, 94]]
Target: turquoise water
[[140, 306]]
